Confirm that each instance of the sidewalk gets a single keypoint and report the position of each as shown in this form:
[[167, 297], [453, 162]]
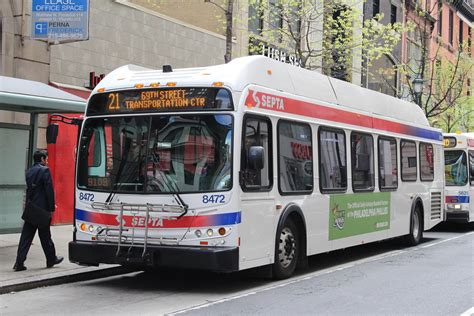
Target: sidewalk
[[37, 274]]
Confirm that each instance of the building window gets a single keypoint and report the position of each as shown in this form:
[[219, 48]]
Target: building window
[[388, 171], [469, 41], [275, 20], [257, 134], [451, 19], [295, 155], [440, 20], [362, 162], [461, 31], [332, 160], [339, 58], [408, 161], [393, 14], [375, 7], [426, 162], [1, 45], [256, 18]]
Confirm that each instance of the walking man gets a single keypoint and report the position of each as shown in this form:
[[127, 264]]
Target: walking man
[[40, 191]]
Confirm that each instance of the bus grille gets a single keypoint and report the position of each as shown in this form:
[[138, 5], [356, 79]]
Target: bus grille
[[436, 205]]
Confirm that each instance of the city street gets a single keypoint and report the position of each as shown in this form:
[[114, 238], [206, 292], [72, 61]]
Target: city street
[[434, 278]]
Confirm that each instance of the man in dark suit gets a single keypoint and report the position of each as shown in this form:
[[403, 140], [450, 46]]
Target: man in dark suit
[[42, 195]]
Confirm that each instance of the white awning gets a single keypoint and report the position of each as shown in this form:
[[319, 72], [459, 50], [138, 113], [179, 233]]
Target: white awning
[[32, 96]]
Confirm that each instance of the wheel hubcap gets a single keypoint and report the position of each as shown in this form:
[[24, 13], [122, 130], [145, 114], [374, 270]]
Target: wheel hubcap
[[287, 247]]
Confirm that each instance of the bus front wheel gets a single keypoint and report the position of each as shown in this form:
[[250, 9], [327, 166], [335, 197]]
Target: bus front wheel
[[286, 250]]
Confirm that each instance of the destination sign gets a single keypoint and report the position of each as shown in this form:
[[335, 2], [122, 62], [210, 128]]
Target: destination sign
[[160, 100], [449, 142]]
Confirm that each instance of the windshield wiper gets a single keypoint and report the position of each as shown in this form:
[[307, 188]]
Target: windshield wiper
[[174, 190]]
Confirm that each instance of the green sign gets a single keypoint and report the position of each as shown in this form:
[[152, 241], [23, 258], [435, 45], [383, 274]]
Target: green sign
[[359, 213]]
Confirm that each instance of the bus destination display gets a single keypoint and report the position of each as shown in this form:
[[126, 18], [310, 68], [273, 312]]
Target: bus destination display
[[449, 142], [160, 100]]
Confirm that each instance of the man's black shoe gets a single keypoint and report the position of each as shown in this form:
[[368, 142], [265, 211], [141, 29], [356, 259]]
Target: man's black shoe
[[19, 267], [58, 260]]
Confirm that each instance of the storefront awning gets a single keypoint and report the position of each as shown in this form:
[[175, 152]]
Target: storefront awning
[[35, 97]]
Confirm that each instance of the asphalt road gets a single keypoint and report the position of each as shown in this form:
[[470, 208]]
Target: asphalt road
[[434, 278]]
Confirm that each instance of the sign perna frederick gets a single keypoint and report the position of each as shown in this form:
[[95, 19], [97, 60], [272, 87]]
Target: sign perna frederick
[[356, 214], [60, 20]]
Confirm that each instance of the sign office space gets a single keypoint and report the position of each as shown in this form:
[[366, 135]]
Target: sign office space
[[60, 20]]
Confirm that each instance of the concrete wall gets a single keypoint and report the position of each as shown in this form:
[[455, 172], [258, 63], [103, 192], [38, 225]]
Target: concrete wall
[[22, 57], [122, 33]]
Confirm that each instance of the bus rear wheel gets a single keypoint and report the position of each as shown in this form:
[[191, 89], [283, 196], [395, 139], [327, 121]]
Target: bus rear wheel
[[286, 251], [416, 228]]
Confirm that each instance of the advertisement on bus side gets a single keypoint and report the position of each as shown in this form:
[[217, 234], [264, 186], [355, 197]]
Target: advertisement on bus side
[[360, 213]]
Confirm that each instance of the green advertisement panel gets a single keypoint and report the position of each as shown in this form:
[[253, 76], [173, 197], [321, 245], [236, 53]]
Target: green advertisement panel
[[356, 214]]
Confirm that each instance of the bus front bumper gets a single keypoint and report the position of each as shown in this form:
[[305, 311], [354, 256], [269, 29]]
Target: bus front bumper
[[457, 216], [219, 259]]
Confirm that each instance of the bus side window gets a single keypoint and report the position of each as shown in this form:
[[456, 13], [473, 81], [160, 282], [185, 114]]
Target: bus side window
[[332, 160], [388, 172], [426, 162], [362, 159], [471, 167], [408, 163], [295, 159], [257, 132]]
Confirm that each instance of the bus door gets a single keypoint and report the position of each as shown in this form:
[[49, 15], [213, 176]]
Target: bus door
[[258, 202]]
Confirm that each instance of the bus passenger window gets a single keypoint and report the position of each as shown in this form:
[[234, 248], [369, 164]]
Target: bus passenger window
[[363, 178], [426, 162], [388, 171], [408, 160], [295, 158], [332, 160], [257, 133]]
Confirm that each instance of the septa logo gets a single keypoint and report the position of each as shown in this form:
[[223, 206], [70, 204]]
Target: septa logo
[[267, 101]]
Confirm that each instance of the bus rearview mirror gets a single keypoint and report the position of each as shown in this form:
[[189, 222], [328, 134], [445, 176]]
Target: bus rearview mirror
[[52, 133]]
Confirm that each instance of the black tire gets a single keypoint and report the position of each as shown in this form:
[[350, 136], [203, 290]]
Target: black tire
[[287, 250], [416, 228]]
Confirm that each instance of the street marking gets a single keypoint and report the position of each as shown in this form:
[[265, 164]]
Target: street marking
[[313, 275], [445, 240], [469, 312]]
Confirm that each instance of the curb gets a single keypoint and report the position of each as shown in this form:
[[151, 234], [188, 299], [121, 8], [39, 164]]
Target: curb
[[67, 278]]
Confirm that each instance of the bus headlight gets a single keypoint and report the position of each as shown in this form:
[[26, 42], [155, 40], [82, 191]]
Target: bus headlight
[[457, 206], [198, 233], [210, 232]]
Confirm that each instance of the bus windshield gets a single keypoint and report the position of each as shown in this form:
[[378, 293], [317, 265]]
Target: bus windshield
[[455, 167], [156, 154]]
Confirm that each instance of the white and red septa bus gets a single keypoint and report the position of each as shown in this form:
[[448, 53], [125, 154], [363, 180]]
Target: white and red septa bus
[[459, 177], [252, 163]]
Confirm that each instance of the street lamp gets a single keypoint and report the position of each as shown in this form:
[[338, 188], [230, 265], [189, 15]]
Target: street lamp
[[417, 89]]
